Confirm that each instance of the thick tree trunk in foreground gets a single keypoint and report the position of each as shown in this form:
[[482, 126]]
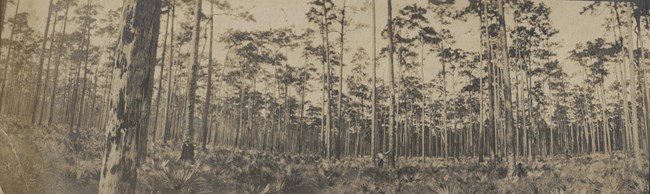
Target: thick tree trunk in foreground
[[132, 88]]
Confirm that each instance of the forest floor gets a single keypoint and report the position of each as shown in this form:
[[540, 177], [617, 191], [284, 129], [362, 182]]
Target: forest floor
[[48, 165]]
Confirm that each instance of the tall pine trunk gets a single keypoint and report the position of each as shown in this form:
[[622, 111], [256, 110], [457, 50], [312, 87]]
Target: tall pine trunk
[[167, 133], [303, 82], [188, 144], [481, 137], [391, 81], [374, 80], [445, 134], [642, 67], [328, 85], [340, 94], [633, 90], [57, 63], [208, 90], [621, 70], [511, 156], [423, 104], [132, 85]]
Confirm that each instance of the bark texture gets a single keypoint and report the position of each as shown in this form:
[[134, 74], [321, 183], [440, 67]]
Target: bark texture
[[132, 88]]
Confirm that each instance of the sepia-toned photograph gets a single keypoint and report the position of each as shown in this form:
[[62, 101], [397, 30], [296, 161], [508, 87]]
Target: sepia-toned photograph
[[324, 96]]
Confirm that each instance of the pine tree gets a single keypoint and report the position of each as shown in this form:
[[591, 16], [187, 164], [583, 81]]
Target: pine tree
[[132, 83]]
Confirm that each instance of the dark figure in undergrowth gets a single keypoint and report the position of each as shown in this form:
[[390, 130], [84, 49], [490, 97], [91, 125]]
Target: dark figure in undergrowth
[[187, 152], [379, 159], [520, 171]]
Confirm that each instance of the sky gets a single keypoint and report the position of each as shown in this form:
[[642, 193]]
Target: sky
[[573, 27]]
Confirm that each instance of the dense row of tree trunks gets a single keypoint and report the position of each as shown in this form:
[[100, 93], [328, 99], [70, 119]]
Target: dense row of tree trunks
[[85, 70], [73, 116], [167, 133], [8, 59], [41, 61], [160, 77], [132, 88], [73, 99], [242, 93], [528, 138], [47, 71]]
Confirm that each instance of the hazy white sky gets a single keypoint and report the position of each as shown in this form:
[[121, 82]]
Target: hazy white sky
[[573, 27]]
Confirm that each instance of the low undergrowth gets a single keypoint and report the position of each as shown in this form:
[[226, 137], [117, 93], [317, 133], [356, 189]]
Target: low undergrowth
[[245, 171], [49, 164]]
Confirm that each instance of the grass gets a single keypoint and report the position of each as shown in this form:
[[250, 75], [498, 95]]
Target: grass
[[50, 166]]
